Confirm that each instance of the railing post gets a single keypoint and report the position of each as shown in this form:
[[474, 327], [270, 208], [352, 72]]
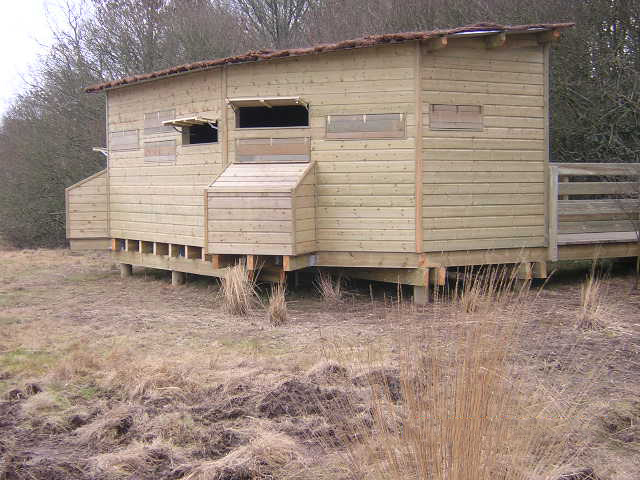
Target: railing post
[[553, 213], [563, 179]]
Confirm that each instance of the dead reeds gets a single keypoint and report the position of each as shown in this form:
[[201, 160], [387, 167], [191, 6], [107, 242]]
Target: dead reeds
[[329, 287], [238, 290], [591, 307], [277, 308]]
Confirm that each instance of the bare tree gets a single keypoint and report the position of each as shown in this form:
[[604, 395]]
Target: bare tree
[[275, 23]]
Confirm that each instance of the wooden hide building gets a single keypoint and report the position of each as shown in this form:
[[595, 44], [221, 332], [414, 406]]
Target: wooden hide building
[[393, 156]]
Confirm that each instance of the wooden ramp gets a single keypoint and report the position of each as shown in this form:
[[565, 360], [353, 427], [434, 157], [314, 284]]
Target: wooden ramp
[[262, 209]]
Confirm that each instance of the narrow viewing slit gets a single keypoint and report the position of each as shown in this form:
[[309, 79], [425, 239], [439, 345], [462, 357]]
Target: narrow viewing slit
[[196, 134], [274, 117]]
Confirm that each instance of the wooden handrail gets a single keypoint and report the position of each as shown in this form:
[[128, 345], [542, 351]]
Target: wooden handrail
[[597, 169]]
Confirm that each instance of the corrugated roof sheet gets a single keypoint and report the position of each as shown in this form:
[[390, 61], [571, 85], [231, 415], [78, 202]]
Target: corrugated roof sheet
[[363, 42]]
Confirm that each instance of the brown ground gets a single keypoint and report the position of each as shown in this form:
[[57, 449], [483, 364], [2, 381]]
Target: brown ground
[[104, 378]]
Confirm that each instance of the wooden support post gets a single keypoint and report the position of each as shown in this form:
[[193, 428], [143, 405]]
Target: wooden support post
[[126, 270], [441, 276], [552, 212], [252, 261], [496, 41], [419, 167], [524, 272], [563, 179], [114, 244], [215, 261], [420, 295], [177, 278], [540, 270]]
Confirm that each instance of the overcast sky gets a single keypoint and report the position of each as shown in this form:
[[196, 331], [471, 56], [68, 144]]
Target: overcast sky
[[24, 33]]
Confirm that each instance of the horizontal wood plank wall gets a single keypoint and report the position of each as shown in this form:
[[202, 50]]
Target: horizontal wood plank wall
[[163, 201], [87, 208], [304, 201], [365, 187], [485, 189], [257, 209]]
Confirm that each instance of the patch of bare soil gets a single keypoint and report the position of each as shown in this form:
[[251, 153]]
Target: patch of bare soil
[[105, 379]]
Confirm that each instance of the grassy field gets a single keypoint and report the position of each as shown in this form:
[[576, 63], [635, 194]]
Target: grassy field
[[102, 378]]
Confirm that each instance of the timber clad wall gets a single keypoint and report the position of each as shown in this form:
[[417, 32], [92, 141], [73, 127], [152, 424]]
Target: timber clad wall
[[162, 200], [485, 189], [87, 208], [482, 187], [365, 188], [262, 209]]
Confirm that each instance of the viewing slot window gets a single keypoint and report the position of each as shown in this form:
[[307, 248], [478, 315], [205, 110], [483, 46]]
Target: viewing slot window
[[377, 125], [199, 134], [456, 117], [195, 130], [270, 112]]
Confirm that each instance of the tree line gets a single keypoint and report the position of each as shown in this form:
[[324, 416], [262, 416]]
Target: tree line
[[47, 134]]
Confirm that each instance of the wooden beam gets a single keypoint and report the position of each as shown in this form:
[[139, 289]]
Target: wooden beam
[[224, 117], [548, 36], [419, 169], [206, 223], [496, 41], [434, 44], [297, 262], [403, 276]]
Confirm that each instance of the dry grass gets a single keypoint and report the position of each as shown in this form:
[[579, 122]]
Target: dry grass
[[466, 414], [238, 290], [591, 311], [143, 381], [330, 287], [277, 309], [481, 289], [268, 455]]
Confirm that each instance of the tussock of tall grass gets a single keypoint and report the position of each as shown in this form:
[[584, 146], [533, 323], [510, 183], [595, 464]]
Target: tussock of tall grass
[[481, 289], [277, 308], [466, 408], [329, 287], [591, 307], [462, 411], [238, 290]]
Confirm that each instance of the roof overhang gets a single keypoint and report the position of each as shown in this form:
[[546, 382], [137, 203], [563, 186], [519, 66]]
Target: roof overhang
[[548, 31]]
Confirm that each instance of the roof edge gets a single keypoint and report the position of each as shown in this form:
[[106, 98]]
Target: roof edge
[[362, 42]]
